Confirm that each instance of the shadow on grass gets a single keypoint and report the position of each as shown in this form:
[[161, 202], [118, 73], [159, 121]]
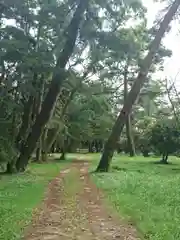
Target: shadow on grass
[[149, 167], [175, 169], [121, 169]]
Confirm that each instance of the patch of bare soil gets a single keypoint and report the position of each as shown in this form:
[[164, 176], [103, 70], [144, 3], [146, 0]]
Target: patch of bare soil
[[73, 209]]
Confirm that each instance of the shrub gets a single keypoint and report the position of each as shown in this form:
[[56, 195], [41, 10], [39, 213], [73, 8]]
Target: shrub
[[165, 138]]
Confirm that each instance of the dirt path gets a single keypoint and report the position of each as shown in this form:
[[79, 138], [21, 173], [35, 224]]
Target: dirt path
[[73, 209]]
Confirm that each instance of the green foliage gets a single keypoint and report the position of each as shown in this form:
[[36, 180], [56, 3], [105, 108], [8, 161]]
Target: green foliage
[[90, 117], [7, 153], [165, 136], [7, 150], [30, 44], [142, 135]]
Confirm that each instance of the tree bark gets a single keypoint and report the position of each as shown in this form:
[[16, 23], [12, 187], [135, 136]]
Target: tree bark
[[164, 159], [38, 105], [130, 140], [44, 151], [10, 168], [62, 157], [145, 153], [107, 155], [64, 150], [54, 89], [13, 130], [38, 152]]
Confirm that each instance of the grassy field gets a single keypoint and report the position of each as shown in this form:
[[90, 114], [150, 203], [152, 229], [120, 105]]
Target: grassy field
[[19, 194], [145, 194]]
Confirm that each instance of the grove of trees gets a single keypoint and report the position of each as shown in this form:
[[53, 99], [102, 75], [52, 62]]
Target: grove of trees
[[81, 74]]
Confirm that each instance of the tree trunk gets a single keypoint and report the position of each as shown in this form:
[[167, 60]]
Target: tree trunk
[[38, 151], [62, 157], [38, 154], [90, 147], [54, 89], [130, 140], [164, 159], [44, 156], [64, 150], [14, 126], [53, 138], [10, 168], [44, 151], [145, 153], [107, 155], [13, 129]]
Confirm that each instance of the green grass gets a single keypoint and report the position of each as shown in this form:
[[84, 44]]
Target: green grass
[[145, 194], [20, 194]]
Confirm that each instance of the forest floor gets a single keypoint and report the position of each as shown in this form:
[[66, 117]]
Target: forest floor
[[74, 208]]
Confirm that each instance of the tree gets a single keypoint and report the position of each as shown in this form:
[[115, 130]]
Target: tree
[[31, 44], [79, 109], [89, 119], [143, 128], [164, 137], [27, 58], [71, 32], [58, 77], [130, 140], [135, 90]]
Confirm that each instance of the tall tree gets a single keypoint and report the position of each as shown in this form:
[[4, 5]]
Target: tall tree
[[130, 140], [135, 90], [58, 77], [30, 45]]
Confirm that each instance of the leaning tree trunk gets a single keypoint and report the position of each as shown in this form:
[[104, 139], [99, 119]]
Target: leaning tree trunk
[[130, 140], [38, 106], [58, 77], [133, 94], [59, 128]]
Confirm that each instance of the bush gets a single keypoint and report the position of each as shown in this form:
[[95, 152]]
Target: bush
[[165, 138], [8, 154], [142, 135]]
